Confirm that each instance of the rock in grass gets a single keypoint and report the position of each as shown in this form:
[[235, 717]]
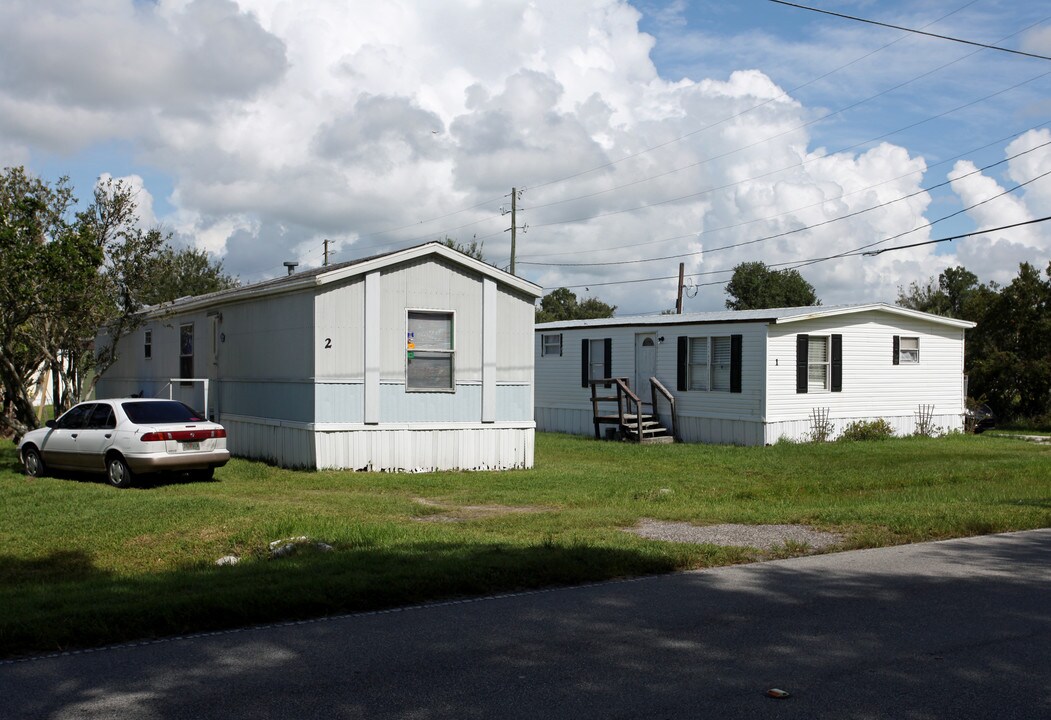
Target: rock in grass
[[228, 560]]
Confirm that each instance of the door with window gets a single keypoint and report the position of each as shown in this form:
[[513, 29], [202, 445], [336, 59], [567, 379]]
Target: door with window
[[645, 365]]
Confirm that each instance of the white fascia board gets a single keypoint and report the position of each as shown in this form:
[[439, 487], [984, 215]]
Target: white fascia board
[[877, 307], [166, 309], [433, 248]]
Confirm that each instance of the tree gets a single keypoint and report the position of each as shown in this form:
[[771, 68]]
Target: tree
[[64, 278], [1008, 353], [753, 286], [562, 304], [955, 290], [473, 250], [1009, 358], [173, 274]]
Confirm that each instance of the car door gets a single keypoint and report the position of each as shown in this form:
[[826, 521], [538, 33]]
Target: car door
[[59, 448], [95, 438]]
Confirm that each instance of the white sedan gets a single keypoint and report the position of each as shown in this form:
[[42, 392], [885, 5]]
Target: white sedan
[[126, 437]]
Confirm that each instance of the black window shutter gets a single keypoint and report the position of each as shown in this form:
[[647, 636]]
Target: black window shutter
[[837, 363], [897, 349], [607, 358], [585, 344], [560, 344], [735, 363], [680, 372], [802, 355]]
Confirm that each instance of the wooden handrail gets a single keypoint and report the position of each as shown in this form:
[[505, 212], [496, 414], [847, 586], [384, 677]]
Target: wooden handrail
[[657, 387]]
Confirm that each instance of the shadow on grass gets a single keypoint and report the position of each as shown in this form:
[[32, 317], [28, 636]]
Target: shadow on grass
[[65, 565], [64, 602], [958, 630]]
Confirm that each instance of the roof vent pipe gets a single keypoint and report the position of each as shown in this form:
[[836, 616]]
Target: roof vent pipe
[[291, 265]]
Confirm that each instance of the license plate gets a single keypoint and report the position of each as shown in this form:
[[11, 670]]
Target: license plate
[[190, 445]]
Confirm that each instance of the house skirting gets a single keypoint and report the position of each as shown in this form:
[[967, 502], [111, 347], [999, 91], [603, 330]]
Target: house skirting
[[404, 447], [729, 431]]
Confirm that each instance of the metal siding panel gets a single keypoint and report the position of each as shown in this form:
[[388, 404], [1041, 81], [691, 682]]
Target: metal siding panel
[[373, 314], [339, 402], [489, 321], [514, 337], [397, 406], [293, 401], [339, 318], [471, 448], [431, 284]]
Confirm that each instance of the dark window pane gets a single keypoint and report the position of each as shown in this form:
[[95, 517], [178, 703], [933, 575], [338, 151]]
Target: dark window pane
[[159, 411], [430, 371]]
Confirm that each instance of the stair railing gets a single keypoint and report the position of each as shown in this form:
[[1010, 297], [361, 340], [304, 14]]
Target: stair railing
[[657, 388], [625, 399]]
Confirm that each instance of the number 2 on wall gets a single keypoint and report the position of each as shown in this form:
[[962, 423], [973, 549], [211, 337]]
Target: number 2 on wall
[[328, 343]]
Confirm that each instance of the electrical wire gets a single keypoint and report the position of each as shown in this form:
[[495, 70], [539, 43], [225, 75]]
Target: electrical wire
[[793, 231], [795, 264], [911, 30]]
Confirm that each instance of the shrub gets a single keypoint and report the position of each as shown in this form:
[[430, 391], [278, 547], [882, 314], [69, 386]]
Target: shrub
[[867, 430]]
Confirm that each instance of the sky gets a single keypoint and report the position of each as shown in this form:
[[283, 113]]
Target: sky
[[639, 135]]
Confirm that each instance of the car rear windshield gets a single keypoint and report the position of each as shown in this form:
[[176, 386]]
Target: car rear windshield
[[160, 412]]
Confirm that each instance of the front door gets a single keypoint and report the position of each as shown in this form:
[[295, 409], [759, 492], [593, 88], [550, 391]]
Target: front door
[[645, 365]]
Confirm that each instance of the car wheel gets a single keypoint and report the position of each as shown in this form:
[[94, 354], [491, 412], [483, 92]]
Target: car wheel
[[117, 472], [32, 462]]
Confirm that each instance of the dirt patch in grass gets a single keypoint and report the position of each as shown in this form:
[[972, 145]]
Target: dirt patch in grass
[[464, 513], [762, 537]]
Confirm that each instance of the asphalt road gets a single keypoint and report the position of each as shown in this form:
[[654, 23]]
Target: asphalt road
[[956, 629]]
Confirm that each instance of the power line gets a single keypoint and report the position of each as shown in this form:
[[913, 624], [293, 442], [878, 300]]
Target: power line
[[794, 264], [957, 237], [794, 230], [911, 30]]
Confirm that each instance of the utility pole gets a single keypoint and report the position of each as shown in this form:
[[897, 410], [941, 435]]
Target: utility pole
[[678, 301], [327, 241], [514, 225]]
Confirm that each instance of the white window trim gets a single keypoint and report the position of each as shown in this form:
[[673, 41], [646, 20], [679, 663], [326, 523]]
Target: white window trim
[[543, 344], [827, 387], [902, 358], [709, 366], [451, 352]]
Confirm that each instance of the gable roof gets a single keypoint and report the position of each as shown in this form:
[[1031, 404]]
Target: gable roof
[[774, 316], [316, 277]]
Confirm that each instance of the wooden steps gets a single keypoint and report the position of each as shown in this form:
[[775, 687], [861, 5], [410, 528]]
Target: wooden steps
[[632, 422]]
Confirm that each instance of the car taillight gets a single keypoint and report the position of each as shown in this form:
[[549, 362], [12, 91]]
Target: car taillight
[[183, 435]]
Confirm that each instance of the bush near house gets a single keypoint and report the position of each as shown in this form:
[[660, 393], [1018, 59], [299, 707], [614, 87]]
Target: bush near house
[[83, 564], [878, 429]]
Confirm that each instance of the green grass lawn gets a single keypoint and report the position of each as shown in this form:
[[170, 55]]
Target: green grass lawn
[[84, 564]]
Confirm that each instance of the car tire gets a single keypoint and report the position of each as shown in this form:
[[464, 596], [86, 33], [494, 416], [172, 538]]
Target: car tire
[[206, 475], [32, 463], [118, 474]]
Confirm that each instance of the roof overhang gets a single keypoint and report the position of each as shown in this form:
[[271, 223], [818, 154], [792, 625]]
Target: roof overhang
[[308, 282], [875, 307]]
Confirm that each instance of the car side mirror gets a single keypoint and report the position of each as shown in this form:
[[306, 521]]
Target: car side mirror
[[50, 424]]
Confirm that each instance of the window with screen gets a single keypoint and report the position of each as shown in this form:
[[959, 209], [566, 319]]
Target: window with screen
[[430, 362]]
